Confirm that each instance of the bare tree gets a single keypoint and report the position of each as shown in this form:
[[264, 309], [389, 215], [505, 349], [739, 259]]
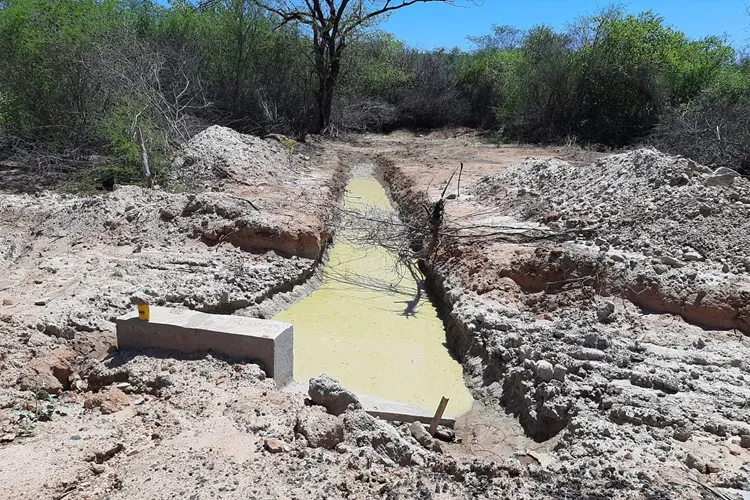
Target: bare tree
[[334, 23]]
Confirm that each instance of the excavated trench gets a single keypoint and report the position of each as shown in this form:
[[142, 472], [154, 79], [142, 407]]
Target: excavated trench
[[545, 277], [370, 325]]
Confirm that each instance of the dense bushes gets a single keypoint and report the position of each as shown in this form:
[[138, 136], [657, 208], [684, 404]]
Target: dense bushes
[[80, 77], [714, 127], [607, 79]]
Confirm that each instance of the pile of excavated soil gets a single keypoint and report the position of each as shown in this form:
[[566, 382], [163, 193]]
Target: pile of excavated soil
[[74, 263], [643, 201], [603, 306], [219, 156]]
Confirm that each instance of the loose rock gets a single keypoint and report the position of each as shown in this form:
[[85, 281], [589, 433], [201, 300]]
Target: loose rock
[[49, 373], [320, 429], [110, 401], [366, 430], [273, 445], [544, 370], [328, 392]]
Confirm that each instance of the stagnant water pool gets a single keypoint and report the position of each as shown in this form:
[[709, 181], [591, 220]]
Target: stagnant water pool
[[362, 328]]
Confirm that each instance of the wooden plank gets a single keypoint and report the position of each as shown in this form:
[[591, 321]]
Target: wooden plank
[[438, 415]]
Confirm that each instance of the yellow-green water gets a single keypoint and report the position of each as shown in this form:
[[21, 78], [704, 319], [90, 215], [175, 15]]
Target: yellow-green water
[[354, 327]]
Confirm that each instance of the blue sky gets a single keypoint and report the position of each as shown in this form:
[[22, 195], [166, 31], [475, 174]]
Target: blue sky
[[433, 25]]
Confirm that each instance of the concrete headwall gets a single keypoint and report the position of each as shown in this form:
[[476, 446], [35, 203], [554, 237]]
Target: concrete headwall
[[238, 337]]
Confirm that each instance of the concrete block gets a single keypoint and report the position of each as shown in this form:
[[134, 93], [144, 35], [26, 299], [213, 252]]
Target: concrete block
[[238, 337], [390, 410]]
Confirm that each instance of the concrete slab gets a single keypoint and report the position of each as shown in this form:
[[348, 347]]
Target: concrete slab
[[388, 409], [238, 337]]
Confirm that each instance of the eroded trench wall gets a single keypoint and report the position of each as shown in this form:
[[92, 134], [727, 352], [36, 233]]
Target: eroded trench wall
[[513, 381]]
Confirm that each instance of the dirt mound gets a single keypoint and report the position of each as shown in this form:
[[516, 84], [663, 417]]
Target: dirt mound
[[72, 263], [599, 305], [667, 207], [219, 154]]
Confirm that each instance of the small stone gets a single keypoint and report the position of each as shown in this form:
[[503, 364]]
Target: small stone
[[420, 434], [745, 441], [383, 438], [721, 179], [97, 469], [694, 462], [682, 434], [605, 311], [679, 180], [342, 448], [712, 468], [273, 445], [162, 381], [445, 434], [140, 298], [110, 401], [559, 373], [666, 384], [7, 438], [320, 429], [692, 256], [671, 261], [328, 392], [49, 373], [617, 257], [7, 302], [544, 370], [100, 457], [41, 302], [726, 171], [699, 344]]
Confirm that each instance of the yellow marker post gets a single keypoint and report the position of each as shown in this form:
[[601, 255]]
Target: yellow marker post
[[144, 313]]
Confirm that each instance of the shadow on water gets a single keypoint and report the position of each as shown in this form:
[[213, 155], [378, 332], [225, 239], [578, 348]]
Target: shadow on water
[[371, 284], [411, 305]]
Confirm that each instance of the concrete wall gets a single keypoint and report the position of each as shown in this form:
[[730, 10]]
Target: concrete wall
[[238, 337]]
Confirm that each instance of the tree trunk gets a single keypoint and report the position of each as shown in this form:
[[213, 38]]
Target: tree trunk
[[328, 62], [144, 159], [325, 103]]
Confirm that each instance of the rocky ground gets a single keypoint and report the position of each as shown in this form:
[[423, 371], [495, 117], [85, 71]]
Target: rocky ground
[[598, 305]]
